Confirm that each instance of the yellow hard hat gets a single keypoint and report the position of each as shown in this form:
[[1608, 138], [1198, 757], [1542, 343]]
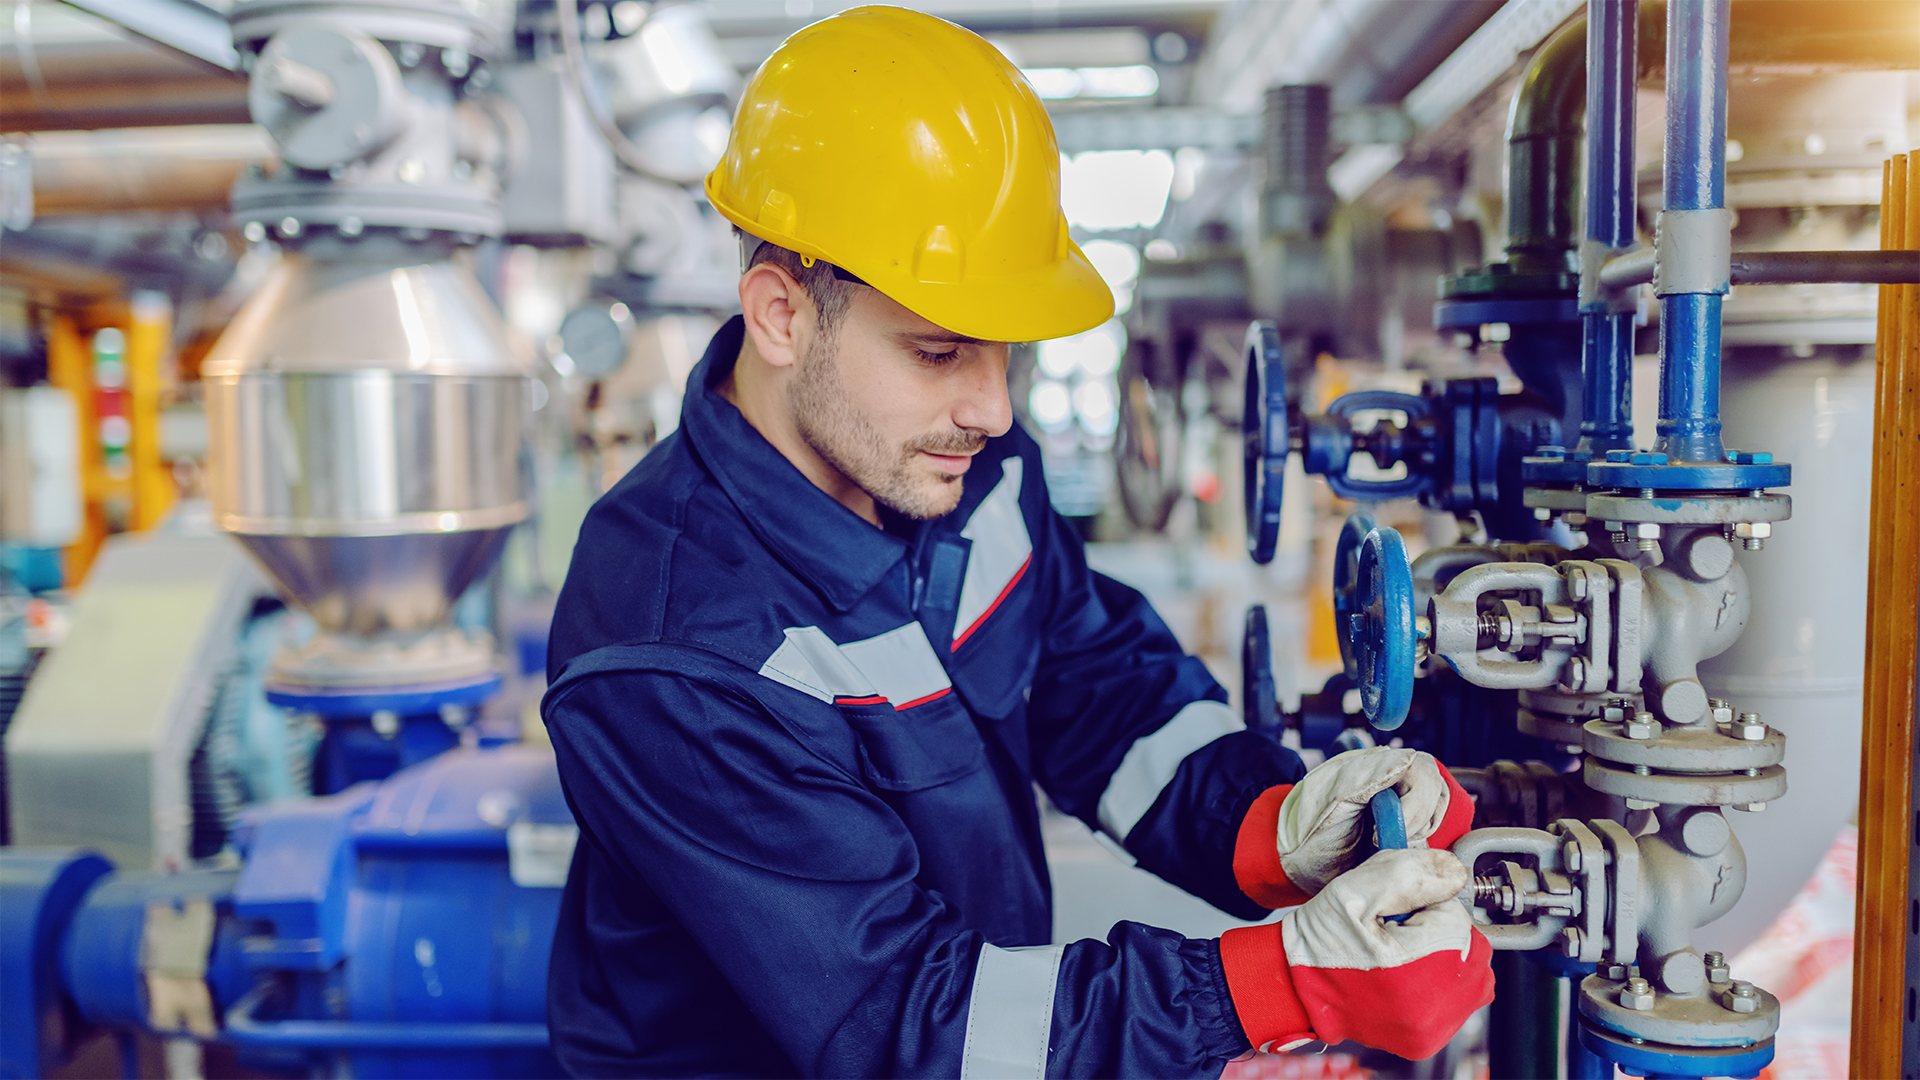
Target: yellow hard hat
[[909, 152]]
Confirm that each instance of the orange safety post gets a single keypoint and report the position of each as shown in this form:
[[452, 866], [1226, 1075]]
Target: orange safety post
[[147, 349], [1887, 913]]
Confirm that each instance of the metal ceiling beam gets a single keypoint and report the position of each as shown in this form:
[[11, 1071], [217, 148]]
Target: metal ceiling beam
[[188, 28]]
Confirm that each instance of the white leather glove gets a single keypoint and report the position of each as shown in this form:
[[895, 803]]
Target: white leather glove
[[1336, 969], [1321, 830]]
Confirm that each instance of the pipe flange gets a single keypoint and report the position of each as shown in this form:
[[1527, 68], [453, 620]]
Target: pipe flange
[[466, 208], [1683, 749], [1696, 1020], [1688, 509], [1690, 476], [1571, 499], [1686, 789], [444, 24], [1642, 1058], [1561, 718]]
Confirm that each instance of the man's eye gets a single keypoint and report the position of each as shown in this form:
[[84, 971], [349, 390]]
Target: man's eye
[[934, 357]]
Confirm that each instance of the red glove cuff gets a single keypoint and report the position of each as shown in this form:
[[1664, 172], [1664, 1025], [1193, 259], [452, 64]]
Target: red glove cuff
[[1261, 985], [1454, 824], [1256, 861]]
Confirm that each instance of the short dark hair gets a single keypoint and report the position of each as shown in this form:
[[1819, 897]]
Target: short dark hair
[[831, 296]]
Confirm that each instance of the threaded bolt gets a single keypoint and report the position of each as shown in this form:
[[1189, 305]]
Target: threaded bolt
[[1486, 888]]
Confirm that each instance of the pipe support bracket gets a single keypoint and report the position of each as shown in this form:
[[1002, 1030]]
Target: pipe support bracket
[[1693, 252]]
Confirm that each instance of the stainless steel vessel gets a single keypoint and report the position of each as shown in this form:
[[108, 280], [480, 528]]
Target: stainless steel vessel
[[365, 411]]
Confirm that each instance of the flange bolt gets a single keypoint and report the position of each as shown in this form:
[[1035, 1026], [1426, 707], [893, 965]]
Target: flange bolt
[[1638, 995], [1717, 972], [1750, 728], [1741, 998], [1612, 970], [1753, 535], [1642, 726]]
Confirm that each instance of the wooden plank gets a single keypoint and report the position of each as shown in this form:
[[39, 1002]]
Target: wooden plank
[[1883, 1007]]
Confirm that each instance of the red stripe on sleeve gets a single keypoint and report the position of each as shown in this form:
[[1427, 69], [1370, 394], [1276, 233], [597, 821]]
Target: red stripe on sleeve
[[1261, 985], [1017, 575], [1256, 859], [876, 699]]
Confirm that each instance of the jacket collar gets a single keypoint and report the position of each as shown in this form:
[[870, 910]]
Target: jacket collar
[[834, 549]]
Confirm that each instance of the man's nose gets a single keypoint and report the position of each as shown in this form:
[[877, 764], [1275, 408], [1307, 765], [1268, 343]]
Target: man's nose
[[986, 406]]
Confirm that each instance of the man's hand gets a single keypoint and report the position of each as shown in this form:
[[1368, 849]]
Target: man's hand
[[1337, 969], [1322, 826]]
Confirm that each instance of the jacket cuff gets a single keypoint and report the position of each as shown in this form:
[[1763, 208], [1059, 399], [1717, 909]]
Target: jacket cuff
[[1261, 984], [1454, 824], [1256, 853]]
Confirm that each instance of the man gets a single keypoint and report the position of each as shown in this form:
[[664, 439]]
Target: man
[[814, 652]]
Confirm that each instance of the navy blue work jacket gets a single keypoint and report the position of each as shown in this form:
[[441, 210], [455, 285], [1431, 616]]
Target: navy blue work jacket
[[802, 752]]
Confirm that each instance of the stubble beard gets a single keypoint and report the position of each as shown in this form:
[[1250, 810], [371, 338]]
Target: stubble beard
[[896, 477]]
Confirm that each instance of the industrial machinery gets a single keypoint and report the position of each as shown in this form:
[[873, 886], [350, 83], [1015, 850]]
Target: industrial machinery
[[1605, 865]]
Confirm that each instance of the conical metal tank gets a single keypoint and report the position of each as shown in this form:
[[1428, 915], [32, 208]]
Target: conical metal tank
[[365, 411]]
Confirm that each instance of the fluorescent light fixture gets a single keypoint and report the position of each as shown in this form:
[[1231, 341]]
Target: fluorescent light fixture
[[1125, 81], [1116, 189]]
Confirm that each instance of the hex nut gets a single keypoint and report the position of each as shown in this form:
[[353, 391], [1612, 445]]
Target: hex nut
[[1643, 726], [1641, 804], [1575, 677], [1722, 710], [1612, 970], [1617, 711], [1570, 856], [1741, 998], [1753, 530], [1751, 808], [1638, 995], [1577, 583], [1749, 728], [1646, 530], [1717, 972], [1570, 941]]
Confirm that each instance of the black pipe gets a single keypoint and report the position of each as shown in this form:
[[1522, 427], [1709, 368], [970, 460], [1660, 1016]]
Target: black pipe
[[1543, 155], [1786, 268]]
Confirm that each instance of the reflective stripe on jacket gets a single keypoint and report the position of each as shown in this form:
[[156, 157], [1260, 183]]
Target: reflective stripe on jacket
[[802, 753]]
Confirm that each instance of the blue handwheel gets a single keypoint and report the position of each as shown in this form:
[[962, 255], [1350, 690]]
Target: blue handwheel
[[1383, 643], [1256, 674], [1390, 823], [1346, 585], [1263, 421]]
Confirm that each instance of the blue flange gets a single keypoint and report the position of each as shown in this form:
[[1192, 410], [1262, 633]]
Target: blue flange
[[1554, 466], [1263, 421], [1346, 585], [1383, 629], [1455, 314], [1257, 694], [1659, 1059], [416, 700], [40, 889], [1629, 470]]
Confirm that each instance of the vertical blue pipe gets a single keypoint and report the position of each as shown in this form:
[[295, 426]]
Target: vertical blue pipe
[[1694, 178], [1607, 336]]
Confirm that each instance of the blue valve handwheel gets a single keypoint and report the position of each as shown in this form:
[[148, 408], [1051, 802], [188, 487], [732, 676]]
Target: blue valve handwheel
[[1388, 819], [1263, 422], [1256, 674], [1383, 641], [1390, 824], [1346, 582]]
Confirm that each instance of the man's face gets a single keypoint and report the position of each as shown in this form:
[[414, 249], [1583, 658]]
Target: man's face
[[898, 405]]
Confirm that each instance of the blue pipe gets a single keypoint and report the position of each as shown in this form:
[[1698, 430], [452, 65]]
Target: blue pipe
[[1606, 334], [1694, 178]]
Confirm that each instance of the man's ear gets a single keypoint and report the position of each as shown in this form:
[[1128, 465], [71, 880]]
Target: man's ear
[[776, 308]]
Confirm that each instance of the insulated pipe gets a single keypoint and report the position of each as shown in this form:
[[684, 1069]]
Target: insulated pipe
[[1606, 350], [1694, 184]]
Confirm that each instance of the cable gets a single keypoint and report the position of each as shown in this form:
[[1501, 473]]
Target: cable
[[627, 154]]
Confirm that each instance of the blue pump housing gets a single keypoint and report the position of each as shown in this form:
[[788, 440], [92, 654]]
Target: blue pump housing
[[399, 928]]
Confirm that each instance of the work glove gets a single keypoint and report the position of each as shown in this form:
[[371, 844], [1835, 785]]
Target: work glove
[[1296, 839], [1337, 968]]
